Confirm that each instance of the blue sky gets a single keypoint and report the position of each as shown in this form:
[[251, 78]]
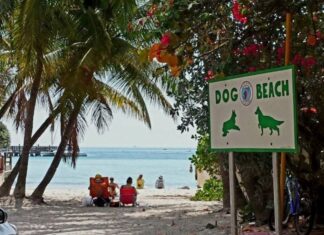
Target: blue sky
[[124, 131]]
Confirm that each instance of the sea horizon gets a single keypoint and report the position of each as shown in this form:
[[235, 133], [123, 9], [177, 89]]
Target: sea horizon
[[118, 162]]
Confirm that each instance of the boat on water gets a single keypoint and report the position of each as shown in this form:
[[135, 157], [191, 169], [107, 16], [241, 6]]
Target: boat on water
[[79, 154], [65, 154], [47, 153]]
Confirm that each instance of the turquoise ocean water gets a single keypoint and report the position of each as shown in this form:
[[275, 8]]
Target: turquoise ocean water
[[120, 163]]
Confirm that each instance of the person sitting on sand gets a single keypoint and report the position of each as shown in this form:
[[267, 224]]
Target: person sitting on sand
[[128, 193], [159, 183], [112, 188], [99, 190], [140, 182], [129, 183]]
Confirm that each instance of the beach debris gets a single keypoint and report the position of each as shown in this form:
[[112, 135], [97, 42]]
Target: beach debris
[[210, 226], [184, 187], [251, 229], [143, 209]]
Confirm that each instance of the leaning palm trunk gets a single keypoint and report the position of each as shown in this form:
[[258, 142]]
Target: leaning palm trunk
[[7, 184], [37, 195], [7, 104], [20, 189]]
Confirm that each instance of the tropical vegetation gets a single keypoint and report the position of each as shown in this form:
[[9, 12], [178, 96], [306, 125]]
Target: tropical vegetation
[[74, 57], [204, 40], [211, 191], [4, 137]]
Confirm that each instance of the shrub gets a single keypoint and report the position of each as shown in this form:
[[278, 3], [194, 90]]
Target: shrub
[[212, 191], [4, 136]]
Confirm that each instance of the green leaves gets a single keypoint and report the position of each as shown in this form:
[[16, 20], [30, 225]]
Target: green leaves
[[212, 191], [4, 136]]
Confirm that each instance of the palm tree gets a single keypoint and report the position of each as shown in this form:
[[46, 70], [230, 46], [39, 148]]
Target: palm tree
[[105, 71], [36, 24], [77, 106], [7, 184], [94, 45]]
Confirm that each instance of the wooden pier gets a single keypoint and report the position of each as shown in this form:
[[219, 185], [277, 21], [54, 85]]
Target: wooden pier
[[5, 164], [35, 150]]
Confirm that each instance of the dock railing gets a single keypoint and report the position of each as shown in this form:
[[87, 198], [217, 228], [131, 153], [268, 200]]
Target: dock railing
[[34, 151], [5, 164]]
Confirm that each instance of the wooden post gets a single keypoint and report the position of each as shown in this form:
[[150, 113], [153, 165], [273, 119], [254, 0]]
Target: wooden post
[[288, 38], [276, 198], [283, 155], [232, 194]]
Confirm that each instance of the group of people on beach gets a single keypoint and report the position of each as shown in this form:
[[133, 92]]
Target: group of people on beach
[[104, 192]]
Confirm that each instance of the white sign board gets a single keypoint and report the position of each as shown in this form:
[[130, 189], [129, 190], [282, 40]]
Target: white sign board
[[254, 112]]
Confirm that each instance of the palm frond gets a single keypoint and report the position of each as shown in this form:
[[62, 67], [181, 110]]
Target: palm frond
[[101, 114]]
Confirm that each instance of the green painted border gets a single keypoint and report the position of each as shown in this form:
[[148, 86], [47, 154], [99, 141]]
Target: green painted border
[[290, 150]]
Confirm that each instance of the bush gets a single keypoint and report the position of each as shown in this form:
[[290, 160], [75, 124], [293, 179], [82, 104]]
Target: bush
[[212, 191], [4, 136], [204, 159]]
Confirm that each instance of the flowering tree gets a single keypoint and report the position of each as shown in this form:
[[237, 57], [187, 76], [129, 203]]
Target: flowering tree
[[202, 40]]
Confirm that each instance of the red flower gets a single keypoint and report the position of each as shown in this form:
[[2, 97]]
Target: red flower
[[297, 60], [309, 110], [319, 35], [237, 52], [280, 54], [210, 75], [252, 49], [308, 62], [237, 11], [165, 40], [252, 69], [129, 26], [152, 11], [313, 110]]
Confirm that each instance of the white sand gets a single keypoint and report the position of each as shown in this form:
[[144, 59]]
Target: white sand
[[160, 212]]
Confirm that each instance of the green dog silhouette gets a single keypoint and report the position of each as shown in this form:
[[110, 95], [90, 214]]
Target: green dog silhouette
[[267, 122], [230, 124]]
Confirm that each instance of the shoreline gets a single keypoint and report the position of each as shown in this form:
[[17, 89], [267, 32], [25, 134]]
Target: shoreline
[[166, 211]]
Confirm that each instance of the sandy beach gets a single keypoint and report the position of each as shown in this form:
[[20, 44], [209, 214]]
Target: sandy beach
[[160, 212]]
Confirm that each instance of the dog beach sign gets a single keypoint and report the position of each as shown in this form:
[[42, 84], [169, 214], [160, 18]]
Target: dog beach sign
[[254, 112]]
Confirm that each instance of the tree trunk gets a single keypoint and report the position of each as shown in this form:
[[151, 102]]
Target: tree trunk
[[20, 189], [239, 197], [256, 181], [225, 180], [7, 184], [7, 104], [38, 193]]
